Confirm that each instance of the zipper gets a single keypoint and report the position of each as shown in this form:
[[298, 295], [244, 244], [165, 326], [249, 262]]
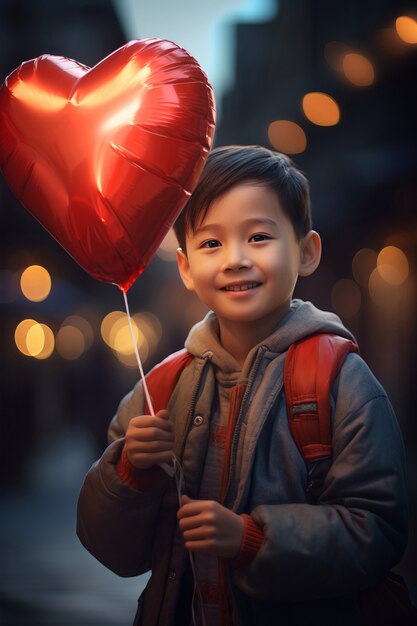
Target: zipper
[[230, 496], [207, 359], [192, 406]]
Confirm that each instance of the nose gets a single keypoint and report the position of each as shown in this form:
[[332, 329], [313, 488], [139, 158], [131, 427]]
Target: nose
[[236, 258]]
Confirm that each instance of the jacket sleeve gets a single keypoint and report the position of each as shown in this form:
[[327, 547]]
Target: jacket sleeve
[[358, 529], [116, 522]]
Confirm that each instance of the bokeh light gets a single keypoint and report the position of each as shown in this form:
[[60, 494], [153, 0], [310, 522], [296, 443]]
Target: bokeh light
[[83, 326], [392, 265], [363, 263], [286, 136], [35, 283], [121, 337], [107, 324], [20, 335], [129, 360], [358, 69], [70, 342], [150, 326], [116, 333], [382, 293], [48, 343], [34, 339], [321, 109], [346, 298], [406, 28]]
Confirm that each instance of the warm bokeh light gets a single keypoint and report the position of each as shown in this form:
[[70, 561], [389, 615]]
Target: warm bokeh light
[[363, 263], [48, 343], [121, 337], [392, 265], [168, 247], [382, 293], [406, 28], [35, 283], [108, 323], [116, 333], [320, 109], [358, 69], [346, 298], [129, 360], [83, 326], [286, 136], [152, 321], [70, 342], [150, 326], [20, 335], [35, 339]]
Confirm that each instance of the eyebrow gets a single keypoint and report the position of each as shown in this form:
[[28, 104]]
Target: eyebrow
[[252, 221]]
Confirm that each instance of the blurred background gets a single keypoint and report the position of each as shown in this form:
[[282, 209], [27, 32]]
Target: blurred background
[[331, 85]]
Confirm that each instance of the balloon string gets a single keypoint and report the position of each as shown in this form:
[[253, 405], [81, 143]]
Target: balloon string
[[175, 470], [169, 470]]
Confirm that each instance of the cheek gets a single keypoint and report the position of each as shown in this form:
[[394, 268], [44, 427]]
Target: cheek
[[282, 266], [202, 277]]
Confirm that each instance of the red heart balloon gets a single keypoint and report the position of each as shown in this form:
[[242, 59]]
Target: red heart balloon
[[105, 158]]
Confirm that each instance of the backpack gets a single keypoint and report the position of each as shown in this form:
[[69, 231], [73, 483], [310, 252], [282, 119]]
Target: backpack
[[308, 397], [320, 358]]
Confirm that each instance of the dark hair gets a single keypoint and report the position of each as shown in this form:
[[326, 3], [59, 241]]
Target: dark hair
[[230, 165]]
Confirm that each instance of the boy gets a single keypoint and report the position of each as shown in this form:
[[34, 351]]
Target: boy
[[266, 549]]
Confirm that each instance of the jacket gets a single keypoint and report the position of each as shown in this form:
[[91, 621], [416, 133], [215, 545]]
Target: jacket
[[330, 530]]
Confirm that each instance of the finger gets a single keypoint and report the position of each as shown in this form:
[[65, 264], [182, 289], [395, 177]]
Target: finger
[[206, 545], [190, 509], [198, 534], [151, 421], [209, 508], [188, 523], [150, 446], [150, 434]]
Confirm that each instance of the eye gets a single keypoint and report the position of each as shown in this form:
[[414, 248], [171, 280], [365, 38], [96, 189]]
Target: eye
[[210, 243], [259, 237]]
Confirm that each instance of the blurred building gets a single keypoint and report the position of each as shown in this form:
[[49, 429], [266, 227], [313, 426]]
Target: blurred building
[[360, 159], [358, 151]]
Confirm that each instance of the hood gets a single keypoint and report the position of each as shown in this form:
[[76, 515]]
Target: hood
[[303, 319]]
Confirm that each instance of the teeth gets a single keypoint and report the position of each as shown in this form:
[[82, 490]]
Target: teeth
[[241, 287]]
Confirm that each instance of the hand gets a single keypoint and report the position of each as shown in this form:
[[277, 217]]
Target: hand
[[149, 440], [208, 526]]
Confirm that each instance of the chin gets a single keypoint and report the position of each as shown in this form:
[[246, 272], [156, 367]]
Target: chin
[[243, 319]]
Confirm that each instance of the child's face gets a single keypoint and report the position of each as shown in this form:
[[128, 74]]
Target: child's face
[[243, 259]]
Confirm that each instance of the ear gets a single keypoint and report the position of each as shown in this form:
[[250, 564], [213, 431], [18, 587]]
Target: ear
[[310, 253], [184, 270]]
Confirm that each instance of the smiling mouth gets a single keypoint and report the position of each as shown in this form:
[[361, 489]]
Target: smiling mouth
[[242, 287]]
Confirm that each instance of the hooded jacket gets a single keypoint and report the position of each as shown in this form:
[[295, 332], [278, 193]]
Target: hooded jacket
[[321, 546]]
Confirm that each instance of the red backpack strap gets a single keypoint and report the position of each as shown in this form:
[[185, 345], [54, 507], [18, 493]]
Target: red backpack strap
[[162, 379], [311, 366]]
